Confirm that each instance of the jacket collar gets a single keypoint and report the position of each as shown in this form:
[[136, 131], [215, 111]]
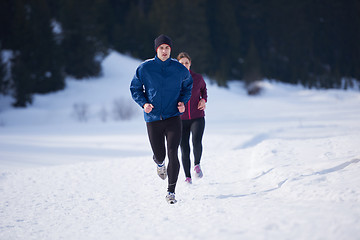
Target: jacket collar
[[165, 63]]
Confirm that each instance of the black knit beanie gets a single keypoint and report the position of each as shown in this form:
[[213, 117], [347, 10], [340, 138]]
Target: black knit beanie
[[162, 39]]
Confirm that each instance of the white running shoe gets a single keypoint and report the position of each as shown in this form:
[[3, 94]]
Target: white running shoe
[[161, 171], [170, 198]]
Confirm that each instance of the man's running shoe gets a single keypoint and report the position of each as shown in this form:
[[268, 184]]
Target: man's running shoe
[[161, 171], [170, 198], [188, 180], [198, 171]]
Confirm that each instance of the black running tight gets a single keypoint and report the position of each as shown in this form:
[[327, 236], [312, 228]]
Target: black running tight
[[169, 129], [196, 128]]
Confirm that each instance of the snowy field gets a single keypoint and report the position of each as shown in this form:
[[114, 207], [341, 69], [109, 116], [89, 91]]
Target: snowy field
[[283, 165]]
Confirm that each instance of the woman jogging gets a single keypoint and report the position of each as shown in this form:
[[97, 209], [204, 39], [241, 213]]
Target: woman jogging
[[193, 121], [162, 86]]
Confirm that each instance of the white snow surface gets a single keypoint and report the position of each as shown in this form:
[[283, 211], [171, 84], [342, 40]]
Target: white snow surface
[[282, 165]]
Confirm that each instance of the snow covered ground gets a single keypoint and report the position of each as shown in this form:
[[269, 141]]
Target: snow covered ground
[[283, 165]]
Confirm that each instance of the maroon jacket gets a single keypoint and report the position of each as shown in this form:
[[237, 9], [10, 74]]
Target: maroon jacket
[[198, 92]]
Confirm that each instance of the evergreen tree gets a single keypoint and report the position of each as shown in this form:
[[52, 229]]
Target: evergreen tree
[[3, 81], [314, 43], [225, 39], [6, 16], [23, 79], [35, 67], [138, 32], [290, 37], [6, 41], [46, 59], [252, 65], [83, 46], [193, 34], [186, 22]]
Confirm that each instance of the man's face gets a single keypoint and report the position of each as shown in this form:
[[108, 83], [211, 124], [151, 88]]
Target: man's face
[[163, 52]]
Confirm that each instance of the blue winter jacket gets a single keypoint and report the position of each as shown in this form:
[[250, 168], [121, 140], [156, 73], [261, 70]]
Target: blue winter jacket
[[163, 84]]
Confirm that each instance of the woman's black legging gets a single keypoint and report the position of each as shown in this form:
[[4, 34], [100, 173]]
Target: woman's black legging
[[169, 129], [196, 128]]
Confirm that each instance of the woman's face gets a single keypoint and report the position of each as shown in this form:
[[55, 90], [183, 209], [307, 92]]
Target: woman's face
[[186, 62], [163, 52]]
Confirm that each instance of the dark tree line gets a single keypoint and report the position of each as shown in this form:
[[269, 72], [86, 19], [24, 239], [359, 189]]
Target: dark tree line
[[311, 42]]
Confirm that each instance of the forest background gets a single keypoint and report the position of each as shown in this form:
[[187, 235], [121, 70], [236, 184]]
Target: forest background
[[314, 43]]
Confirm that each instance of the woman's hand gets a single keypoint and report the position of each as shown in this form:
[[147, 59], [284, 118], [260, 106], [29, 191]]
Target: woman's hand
[[202, 104], [181, 107], [148, 107]]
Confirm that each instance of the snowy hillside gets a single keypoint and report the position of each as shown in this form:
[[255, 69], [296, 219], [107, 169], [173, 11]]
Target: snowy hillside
[[283, 165]]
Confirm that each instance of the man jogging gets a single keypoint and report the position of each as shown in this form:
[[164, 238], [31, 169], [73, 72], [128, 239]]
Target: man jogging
[[162, 86]]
